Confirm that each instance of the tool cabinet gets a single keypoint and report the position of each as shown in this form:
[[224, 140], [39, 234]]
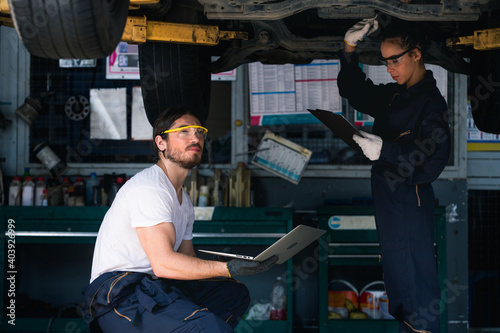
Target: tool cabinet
[[351, 243]]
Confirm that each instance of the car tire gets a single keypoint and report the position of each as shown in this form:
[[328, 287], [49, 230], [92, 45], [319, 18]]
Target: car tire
[[174, 75], [70, 29]]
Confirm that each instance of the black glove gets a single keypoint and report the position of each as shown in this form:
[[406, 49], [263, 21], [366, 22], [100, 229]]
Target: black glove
[[239, 267]]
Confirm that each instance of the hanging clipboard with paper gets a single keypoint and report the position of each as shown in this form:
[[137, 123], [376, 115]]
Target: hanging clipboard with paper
[[339, 125], [282, 157]]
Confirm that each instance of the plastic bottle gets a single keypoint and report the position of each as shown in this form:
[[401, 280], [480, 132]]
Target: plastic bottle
[[113, 189], [96, 195], [40, 186], [15, 192], [203, 197], [79, 192], [28, 192], [116, 183], [278, 300], [65, 189], [54, 193], [104, 194], [45, 201], [89, 186]]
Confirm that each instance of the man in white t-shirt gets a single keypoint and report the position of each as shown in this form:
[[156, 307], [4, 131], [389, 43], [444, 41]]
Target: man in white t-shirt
[[145, 274]]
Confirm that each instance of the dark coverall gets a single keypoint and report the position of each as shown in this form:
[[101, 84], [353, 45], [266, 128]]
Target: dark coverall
[[416, 147], [126, 302]]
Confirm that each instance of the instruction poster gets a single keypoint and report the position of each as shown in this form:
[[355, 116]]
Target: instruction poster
[[281, 94]]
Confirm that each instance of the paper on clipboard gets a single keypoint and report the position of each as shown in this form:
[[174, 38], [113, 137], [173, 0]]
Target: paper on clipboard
[[282, 157], [339, 125]]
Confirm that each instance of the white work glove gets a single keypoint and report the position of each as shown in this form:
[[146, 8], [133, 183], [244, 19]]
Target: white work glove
[[371, 144], [360, 30]]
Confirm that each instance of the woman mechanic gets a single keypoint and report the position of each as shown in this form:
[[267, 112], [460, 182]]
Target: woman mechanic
[[409, 147]]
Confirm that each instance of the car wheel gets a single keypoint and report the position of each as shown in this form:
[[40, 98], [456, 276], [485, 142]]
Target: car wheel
[[174, 75], [70, 29]]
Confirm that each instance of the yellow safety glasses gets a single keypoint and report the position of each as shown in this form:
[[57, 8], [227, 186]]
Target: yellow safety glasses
[[186, 132]]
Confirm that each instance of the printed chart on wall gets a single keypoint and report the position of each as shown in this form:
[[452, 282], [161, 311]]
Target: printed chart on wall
[[379, 75], [281, 94], [282, 157]]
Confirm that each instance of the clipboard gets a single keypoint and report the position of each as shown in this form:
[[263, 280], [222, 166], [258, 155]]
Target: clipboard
[[339, 125]]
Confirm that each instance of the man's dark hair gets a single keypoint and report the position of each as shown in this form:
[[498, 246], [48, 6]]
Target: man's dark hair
[[167, 118]]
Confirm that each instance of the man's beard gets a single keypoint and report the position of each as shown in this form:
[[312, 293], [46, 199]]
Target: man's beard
[[175, 158]]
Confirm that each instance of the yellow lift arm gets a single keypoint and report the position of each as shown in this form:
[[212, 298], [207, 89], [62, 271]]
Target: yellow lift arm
[[488, 39], [139, 30], [4, 9]]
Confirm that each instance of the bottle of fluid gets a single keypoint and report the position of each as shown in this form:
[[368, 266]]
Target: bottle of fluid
[[54, 193], [79, 192], [104, 194], [40, 186], [203, 197], [278, 300], [15, 192], [65, 189], [92, 183], [113, 189], [120, 181], [45, 200], [28, 192]]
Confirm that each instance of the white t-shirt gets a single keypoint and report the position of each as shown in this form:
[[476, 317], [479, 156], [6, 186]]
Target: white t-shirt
[[147, 199]]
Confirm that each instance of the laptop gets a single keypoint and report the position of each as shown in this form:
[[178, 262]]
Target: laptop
[[285, 248], [339, 125]]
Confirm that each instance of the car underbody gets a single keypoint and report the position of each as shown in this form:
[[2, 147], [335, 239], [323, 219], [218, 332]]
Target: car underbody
[[271, 32]]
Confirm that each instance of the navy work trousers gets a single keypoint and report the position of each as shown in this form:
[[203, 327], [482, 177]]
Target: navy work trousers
[[162, 305], [404, 216]]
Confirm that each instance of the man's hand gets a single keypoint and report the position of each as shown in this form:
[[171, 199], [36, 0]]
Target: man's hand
[[239, 267], [360, 30], [371, 144]]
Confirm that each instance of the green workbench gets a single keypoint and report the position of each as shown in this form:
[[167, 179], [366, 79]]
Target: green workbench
[[77, 226]]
